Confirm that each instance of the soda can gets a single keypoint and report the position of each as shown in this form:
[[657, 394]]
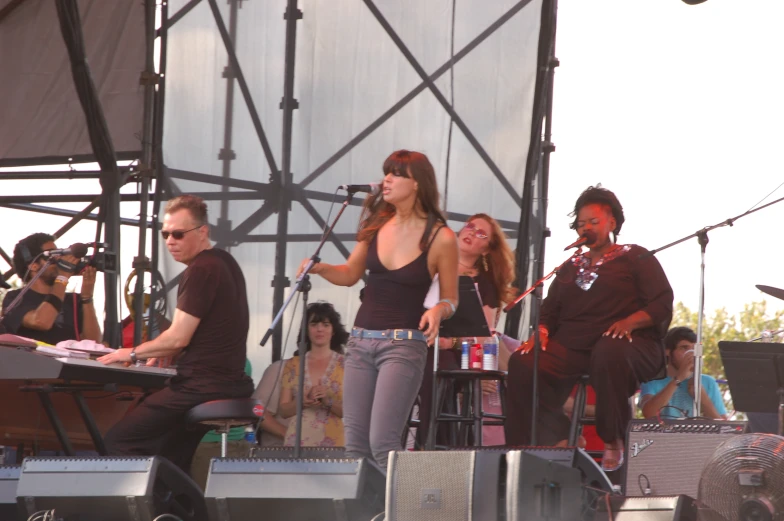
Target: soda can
[[465, 354], [476, 356]]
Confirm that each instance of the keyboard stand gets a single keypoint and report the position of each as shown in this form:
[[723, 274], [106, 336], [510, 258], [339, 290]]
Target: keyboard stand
[[75, 390]]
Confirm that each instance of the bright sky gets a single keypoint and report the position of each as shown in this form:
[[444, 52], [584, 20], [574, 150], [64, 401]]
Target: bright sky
[[676, 108]]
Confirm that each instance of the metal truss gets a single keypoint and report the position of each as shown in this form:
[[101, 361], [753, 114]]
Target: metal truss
[[277, 195], [280, 191]]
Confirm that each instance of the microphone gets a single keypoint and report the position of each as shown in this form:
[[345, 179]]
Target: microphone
[[371, 188], [588, 237], [76, 249]]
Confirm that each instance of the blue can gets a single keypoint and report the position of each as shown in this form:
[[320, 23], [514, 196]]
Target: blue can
[[465, 354]]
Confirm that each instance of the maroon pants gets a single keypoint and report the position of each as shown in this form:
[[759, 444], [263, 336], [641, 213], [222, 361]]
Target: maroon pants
[[616, 368]]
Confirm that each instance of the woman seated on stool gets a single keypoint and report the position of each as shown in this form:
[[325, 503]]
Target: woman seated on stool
[[606, 314], [322, 415], [485, 256]]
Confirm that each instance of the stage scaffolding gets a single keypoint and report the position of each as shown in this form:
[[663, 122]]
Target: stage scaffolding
[[242, 198]]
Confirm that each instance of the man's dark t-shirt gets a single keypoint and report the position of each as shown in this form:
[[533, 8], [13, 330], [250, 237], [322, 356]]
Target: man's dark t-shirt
[[63, 328], [212, 289]]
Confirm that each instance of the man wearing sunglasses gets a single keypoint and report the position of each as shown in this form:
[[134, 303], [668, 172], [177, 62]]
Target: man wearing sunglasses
[[207, 339]]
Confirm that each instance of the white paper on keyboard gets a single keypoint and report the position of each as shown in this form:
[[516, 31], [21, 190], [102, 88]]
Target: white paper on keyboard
[[60, 352], [87, 346]]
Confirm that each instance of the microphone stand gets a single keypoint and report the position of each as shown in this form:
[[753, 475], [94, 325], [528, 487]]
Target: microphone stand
[[18, 299], [702, 239], [537, 305], [303, 285]]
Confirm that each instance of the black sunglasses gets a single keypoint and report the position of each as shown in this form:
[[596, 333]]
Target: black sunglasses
[[178, 234]]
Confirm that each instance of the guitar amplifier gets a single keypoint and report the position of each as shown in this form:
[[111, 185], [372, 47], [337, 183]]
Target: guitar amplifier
[[667, 458]]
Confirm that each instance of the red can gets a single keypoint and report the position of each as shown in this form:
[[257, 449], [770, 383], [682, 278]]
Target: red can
[[476, 356]]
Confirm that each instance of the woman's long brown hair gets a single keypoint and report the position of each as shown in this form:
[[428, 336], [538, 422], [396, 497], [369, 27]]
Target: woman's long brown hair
[[376, 212], [500, 260]]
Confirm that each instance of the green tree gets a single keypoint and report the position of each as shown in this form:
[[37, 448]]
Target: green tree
[[752, 321]]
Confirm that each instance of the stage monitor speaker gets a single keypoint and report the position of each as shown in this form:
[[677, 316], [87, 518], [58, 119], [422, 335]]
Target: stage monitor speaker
[[666, 458], [647, 508], [298, 489], [304, 453], [591, 473], [9, 481], [541, 490], [445, 485], [97, 489]]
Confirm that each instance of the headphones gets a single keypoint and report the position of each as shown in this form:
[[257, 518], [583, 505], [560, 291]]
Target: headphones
[[26, 255]]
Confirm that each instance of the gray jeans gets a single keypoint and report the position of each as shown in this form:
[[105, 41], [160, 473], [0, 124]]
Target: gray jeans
[[380, 384]]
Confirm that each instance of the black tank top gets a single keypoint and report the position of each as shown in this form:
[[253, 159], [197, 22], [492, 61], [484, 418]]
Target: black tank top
[[394, 299]]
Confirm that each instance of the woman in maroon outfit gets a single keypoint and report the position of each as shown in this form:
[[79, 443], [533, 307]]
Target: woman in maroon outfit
[[605, 315]]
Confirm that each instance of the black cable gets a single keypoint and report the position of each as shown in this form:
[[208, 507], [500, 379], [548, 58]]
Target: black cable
[[647, 490]]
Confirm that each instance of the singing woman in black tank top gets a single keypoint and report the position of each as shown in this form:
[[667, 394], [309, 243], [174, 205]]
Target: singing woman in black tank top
[[403, 242]]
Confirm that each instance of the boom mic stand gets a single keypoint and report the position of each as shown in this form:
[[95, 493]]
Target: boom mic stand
[[536, 306], [702, 239], [303, 285]]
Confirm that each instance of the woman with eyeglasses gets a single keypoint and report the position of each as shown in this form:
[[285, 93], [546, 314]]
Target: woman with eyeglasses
[[403, 242], [484, 255], [605, 315]]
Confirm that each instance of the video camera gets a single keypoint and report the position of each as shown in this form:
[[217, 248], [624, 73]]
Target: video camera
[[101, 261]]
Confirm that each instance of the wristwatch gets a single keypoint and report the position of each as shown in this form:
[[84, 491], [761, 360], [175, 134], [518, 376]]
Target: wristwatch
[[133, 356]]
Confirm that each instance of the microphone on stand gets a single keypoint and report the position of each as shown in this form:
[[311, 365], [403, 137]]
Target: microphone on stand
[[371, 188], [76, 249], [588, 237]]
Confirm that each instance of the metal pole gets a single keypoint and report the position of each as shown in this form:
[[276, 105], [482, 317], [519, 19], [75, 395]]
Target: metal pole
[[149, 79], [284, 177], [702, 238], [159, 169], [227, 154]]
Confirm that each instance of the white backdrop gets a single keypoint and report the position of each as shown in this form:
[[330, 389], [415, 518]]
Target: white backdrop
[[348, 73]]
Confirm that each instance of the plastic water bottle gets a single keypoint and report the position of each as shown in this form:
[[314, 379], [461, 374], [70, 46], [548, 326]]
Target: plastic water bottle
[[465, 354], [490, 353]]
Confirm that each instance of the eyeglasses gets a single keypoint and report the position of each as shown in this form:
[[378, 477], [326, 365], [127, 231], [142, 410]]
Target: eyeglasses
[[478, 232], [178, 234]]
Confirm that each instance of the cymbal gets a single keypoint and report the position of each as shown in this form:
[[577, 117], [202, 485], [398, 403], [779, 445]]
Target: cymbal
[[770, 290]]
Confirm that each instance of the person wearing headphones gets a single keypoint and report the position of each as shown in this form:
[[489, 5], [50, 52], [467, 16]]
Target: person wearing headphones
[[47, 313]]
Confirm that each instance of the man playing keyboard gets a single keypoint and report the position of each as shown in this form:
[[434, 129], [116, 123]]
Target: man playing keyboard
[[207, 338]]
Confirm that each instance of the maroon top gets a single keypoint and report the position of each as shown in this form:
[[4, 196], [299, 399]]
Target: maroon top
[[394, 299], [624, 282], [213, 289]]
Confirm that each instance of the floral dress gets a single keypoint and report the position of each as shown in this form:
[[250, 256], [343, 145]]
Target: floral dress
[[320, 428]]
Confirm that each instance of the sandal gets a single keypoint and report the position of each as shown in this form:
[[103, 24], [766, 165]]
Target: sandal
[[612, 459]]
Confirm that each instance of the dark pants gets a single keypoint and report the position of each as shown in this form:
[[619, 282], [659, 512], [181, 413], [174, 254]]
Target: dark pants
[[616, 368], [157, 427], [447, 359]]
